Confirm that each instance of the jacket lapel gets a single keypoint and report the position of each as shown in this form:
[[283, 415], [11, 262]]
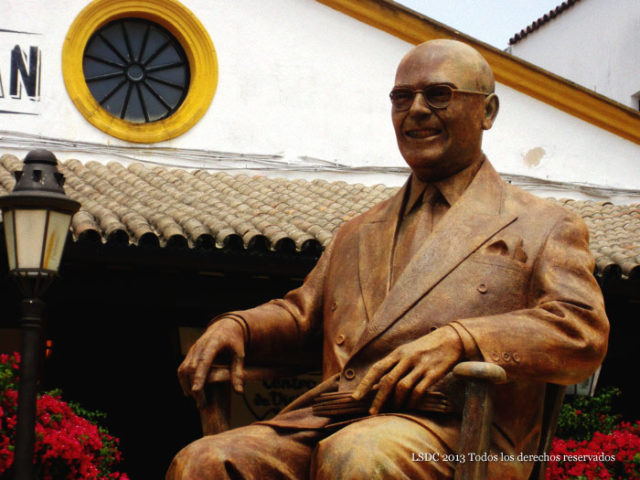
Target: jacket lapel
[[375, 249], [467, 225]]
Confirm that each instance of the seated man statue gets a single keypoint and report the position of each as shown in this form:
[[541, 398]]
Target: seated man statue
[[458, 265]]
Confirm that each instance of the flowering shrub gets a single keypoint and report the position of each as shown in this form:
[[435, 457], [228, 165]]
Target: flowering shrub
[[593, 444], [68, 444], [584, 416]]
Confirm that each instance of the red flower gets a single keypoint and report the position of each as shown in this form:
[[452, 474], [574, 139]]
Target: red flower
[[604, 456], [67, 447]]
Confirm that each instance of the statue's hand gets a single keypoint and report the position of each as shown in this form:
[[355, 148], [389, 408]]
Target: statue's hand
[[223, 335], [411, 369]]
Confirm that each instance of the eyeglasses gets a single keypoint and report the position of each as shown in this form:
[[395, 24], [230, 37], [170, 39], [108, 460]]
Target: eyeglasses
[[436, 96]]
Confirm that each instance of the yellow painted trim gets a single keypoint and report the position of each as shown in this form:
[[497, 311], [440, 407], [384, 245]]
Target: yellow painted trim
[[183, 25], [509, 70]]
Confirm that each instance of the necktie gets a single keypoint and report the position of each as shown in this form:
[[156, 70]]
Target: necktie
[[415, 227]]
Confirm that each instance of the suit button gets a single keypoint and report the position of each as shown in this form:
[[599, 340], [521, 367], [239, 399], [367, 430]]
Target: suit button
[[340, 339], [482, 288], [516, 357], [334, 305], [495, 356], [506, 356], [349, 374]]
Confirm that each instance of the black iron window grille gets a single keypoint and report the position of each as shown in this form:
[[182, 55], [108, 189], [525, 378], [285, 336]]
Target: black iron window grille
[[136, 70]]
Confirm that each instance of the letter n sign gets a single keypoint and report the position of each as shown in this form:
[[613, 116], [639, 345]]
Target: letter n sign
[[28, 77]]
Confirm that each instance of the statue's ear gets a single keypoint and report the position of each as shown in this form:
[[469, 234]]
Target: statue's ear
[[491, 107]]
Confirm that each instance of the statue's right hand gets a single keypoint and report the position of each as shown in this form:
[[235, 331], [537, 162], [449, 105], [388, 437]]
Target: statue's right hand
[[225, 334]]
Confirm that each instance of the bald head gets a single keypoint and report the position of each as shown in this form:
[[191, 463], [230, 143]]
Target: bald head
[[442, 101], [461, 63]]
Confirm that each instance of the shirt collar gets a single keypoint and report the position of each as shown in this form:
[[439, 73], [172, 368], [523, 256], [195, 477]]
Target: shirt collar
[[451, 188]]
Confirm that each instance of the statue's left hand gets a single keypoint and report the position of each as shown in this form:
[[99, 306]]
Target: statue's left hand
[[223, 335], [411, 369]]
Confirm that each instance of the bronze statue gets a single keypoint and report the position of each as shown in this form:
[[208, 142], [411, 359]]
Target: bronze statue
[[457, 265]]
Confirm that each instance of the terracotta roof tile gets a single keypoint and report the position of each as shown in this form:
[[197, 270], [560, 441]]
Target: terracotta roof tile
[[159, 207], [547, 17]]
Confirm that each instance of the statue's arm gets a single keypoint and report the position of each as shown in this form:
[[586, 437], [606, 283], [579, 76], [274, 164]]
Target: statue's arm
[[562, 336], [276, 331], [282, 328]]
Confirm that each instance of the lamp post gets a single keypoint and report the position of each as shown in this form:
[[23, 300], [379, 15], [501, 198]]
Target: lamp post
[[36, 217]]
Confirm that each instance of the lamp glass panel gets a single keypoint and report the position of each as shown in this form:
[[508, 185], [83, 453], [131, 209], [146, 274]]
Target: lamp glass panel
[[29, 229], [9, 238], [56, 237]]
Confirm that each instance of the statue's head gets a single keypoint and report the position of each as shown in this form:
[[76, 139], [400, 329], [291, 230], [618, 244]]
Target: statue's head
[[442, 101]]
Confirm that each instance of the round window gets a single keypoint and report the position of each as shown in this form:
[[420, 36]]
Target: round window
[[136, 70], [140, 71]]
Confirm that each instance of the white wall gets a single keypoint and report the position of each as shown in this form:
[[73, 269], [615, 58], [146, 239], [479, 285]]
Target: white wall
[[534, 139], [297, 79], [595, 44]]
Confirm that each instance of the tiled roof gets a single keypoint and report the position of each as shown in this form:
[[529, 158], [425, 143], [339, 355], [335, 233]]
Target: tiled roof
[[564, 6], [161, 207], [198, 209]]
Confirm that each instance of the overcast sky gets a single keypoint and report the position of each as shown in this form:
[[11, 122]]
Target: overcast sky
[[491, 21]]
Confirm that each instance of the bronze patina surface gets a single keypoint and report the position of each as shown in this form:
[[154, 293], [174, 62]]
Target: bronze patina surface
[[458, 265]]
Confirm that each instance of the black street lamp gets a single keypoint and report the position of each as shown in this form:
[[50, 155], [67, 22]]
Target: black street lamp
[[36, 216]]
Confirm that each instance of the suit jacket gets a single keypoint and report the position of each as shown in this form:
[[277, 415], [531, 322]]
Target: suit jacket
[[512, 270]]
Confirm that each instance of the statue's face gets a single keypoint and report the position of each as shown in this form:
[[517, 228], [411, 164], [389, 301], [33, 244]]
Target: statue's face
[[437, 143]]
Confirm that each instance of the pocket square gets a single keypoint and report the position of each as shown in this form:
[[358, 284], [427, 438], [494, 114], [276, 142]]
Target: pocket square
[[519, 254], [510, 246], [499, 247]]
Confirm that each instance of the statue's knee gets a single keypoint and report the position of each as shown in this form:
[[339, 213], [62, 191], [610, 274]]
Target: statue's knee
[[377, 448], [342, 456], [199, 459]]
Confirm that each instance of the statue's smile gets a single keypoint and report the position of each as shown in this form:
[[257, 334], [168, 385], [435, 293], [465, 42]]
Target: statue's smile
[[422, 133]]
